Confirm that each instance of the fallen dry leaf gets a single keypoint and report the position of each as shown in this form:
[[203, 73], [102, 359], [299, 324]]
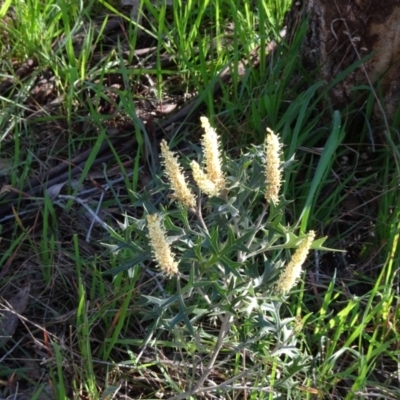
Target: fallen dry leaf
[[9, 314], [54, 191], [5, 189], [6, 165]]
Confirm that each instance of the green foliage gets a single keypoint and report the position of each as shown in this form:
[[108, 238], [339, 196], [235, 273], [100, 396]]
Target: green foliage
[[219, 325]]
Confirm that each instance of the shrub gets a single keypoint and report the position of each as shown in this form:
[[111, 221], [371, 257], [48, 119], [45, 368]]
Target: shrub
[[223, 246]]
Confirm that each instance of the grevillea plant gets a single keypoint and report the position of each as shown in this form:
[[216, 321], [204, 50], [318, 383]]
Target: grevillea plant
[[221, 255], [213, 183]]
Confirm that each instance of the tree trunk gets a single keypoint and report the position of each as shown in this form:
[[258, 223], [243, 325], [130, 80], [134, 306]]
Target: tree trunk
[[342, 32]]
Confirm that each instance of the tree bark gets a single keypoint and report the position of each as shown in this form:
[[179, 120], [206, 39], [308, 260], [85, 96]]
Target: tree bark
[[342, 32]]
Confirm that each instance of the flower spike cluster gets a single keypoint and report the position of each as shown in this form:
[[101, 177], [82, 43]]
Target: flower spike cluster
[[212, 182], [272, 170], [293, 270], [176, 177], [161, 248]]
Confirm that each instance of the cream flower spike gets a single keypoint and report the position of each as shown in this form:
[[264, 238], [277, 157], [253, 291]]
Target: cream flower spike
[[292, 271], [176, 177], [161, 248], [213, 180], [272, 169], [202, 180]]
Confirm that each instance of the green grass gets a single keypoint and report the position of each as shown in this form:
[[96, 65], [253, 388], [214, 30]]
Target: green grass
[[133, 332]]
